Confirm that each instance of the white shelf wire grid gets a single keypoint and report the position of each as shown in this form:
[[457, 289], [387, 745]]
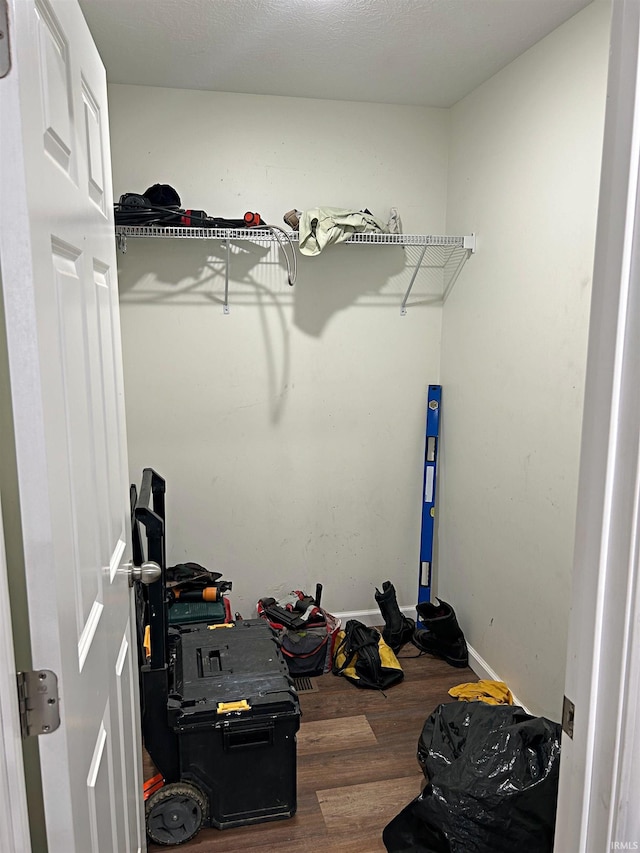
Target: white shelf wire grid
[[259, 235]]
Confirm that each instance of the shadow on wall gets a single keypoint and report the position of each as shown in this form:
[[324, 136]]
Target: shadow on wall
[[161, 271], [194, 269], [191, 273], [340, 277]]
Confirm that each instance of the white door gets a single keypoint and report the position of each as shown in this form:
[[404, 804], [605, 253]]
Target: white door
[[58, 272]]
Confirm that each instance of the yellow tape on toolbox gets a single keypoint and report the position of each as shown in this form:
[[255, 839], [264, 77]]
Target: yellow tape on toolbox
[[225, 707]]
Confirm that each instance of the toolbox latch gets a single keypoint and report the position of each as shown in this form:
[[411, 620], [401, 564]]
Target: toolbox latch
[[38, 702], [227, 707]]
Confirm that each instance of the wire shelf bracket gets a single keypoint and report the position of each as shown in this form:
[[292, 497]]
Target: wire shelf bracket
[[460, 253]]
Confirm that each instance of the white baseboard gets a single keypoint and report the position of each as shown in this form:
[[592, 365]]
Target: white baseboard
[[482, 669], [371, 617]]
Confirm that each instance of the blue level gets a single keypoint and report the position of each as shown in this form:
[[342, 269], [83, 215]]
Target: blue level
[[429, 493]]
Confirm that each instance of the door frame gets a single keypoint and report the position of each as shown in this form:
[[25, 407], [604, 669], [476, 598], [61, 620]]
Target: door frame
[[13, 793], [598, 780]]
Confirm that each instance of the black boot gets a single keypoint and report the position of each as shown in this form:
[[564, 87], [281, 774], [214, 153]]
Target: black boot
[[398, 628], [441, 635]]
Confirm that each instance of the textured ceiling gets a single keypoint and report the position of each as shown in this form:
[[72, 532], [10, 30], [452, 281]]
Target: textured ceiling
[[429, 52]]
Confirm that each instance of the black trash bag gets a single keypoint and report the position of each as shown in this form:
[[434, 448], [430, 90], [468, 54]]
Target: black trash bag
[[492, 783]]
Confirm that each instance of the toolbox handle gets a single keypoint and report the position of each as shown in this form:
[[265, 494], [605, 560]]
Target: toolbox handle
[[149, 511], [152, 491], [248, 737]]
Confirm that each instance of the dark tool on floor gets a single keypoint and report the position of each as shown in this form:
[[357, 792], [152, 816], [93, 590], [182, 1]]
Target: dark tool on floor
[[208, 594], [196, 594], [306, 632]]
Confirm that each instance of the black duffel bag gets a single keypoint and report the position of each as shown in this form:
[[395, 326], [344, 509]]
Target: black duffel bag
[[364, 659]]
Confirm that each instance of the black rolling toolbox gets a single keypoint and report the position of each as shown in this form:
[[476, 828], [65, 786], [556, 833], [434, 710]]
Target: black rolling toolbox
[[236, 720], [219, 710]]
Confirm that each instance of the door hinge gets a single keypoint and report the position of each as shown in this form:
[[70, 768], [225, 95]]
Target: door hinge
[[5, 51], [38, 702], [568, 713]]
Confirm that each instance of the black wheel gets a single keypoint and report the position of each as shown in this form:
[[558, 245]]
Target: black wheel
[[175, 813]]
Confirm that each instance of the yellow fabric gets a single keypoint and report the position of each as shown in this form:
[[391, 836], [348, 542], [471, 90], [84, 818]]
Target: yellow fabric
[[491, 692], [388, 658]]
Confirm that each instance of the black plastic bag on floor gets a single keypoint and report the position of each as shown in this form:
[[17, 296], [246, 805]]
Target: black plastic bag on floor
[[492, 783]]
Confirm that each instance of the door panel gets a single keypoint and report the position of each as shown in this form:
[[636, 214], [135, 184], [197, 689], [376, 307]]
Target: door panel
[[53, 55], [94, 154], [126, 675], [57, 256], [100, 790]]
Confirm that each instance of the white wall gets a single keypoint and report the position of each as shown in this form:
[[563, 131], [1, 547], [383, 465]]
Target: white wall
[[524, 174], [290, 432]]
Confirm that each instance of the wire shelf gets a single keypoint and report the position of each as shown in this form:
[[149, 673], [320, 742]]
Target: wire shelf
[[446, 253], [259, 235]]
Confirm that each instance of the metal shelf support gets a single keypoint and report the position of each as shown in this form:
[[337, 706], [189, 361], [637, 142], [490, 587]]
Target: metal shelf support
[[403, 306], [225, 306], [464, 249]]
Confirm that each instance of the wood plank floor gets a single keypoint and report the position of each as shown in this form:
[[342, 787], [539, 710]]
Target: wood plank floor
[[357, 765]]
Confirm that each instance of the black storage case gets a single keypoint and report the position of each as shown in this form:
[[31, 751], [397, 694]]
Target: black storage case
[[236, 714]]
